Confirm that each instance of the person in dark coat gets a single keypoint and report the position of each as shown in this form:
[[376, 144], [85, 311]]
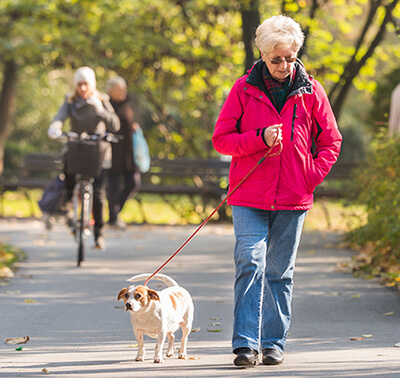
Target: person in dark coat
[[124, 178]]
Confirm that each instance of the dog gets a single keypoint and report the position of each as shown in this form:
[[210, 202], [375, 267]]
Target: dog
[[159, 314]]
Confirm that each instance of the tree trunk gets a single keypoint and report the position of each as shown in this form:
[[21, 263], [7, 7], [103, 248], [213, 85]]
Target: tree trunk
[[250, 21], [354, 66], [7, 100]]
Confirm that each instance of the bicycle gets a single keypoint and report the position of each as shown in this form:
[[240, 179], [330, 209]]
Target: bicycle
[[84, 159]]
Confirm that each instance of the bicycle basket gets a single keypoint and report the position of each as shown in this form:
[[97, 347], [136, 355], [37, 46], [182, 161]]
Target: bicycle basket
[[85, 157]]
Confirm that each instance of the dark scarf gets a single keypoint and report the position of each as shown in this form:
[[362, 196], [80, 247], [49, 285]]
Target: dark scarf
[[277, 90]]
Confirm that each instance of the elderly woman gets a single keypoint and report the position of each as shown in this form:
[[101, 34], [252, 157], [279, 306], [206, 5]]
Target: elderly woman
[[275, 104], [89, 111]]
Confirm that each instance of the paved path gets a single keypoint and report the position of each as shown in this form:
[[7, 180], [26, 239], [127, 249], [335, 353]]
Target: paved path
[[77, 329]]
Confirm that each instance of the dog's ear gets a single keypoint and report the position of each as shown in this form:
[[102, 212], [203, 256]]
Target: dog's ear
[[122, 293], [153, 295]]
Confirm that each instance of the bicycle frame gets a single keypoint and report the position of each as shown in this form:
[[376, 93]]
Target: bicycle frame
[[83, 192], [83, 202]]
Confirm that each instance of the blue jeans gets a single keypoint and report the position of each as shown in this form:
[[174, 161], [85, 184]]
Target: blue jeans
[[265, 254]]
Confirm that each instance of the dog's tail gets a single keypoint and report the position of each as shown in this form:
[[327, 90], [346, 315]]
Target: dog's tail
[[159, 277]]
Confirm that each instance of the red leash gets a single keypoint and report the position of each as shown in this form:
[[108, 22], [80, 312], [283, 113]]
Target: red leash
[[216, 209]]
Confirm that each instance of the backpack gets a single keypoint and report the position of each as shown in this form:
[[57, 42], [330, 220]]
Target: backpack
[[53, 196]]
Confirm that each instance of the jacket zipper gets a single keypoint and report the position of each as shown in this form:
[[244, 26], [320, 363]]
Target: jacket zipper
[[293, 119]]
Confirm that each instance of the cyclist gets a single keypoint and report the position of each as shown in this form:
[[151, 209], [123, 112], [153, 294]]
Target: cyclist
[[124, 178], [89, 111]]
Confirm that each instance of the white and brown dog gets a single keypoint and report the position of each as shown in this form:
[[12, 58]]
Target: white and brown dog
[[159, 314]]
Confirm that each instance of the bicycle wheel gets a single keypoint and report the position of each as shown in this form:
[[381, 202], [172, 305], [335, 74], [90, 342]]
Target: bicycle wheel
[[80, 236]]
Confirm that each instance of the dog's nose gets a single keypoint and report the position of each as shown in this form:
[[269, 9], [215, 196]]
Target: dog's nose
[[128, 306]]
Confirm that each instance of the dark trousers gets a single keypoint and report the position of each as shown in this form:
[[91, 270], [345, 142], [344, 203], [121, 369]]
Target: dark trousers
[[99, 196], [120, 187]]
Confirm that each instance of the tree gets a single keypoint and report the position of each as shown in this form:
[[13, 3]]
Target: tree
[[7, 97], [180, 57], [250, 21], [364, 49]]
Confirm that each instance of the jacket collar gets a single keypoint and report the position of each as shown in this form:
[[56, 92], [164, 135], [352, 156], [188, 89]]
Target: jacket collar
[[301, 84]]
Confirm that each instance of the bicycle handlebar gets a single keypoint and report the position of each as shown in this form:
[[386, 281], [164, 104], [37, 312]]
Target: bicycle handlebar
[[107, 136]]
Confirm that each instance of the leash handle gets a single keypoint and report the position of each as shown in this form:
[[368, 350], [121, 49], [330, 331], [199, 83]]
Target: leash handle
[[267, 154]]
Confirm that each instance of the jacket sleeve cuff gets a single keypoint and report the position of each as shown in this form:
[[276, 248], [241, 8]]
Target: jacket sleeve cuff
[[262, 137]]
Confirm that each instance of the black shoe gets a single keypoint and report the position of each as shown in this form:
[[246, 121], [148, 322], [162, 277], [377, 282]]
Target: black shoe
[[271, 356], [245, 357]]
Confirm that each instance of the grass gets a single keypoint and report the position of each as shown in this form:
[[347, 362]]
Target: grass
[[334, 215], [180, 210]]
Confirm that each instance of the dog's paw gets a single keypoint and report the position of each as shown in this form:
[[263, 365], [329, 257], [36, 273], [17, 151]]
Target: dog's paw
[[158, 360], [170, 352], [182, 356], [139, 358]]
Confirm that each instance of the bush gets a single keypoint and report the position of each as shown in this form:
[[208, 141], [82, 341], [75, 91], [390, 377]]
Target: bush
[[378, 185]]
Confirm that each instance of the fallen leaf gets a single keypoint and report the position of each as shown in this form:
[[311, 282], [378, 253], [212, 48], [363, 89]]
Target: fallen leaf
[[45, 371], [214, 324], [133, 346], [335, 293], [196, 330], [356, 296], [357, 338], [389, 313], [367, 336], [6, 272], [214, 330], [26, 276], [29, 300], [193, 358], [215, 318], [18, 340]]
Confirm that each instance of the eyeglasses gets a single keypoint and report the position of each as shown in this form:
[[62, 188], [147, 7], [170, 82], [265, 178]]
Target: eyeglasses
[[278, 61]]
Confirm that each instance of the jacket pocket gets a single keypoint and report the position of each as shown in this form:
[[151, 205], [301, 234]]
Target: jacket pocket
[[312, 176]]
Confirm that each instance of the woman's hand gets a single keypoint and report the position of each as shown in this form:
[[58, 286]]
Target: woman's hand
[[96, 103], [135, 126], [273, 134]]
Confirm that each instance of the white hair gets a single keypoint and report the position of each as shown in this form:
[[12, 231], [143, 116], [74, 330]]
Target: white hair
[[279, 30], [114, 81]]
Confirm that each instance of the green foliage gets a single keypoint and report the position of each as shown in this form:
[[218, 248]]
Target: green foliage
[[10, 255], [379, 111], [379, 190], [39, 97], [179, 57]]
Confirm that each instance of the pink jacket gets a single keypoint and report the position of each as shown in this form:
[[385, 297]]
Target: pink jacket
[[286, 181]]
